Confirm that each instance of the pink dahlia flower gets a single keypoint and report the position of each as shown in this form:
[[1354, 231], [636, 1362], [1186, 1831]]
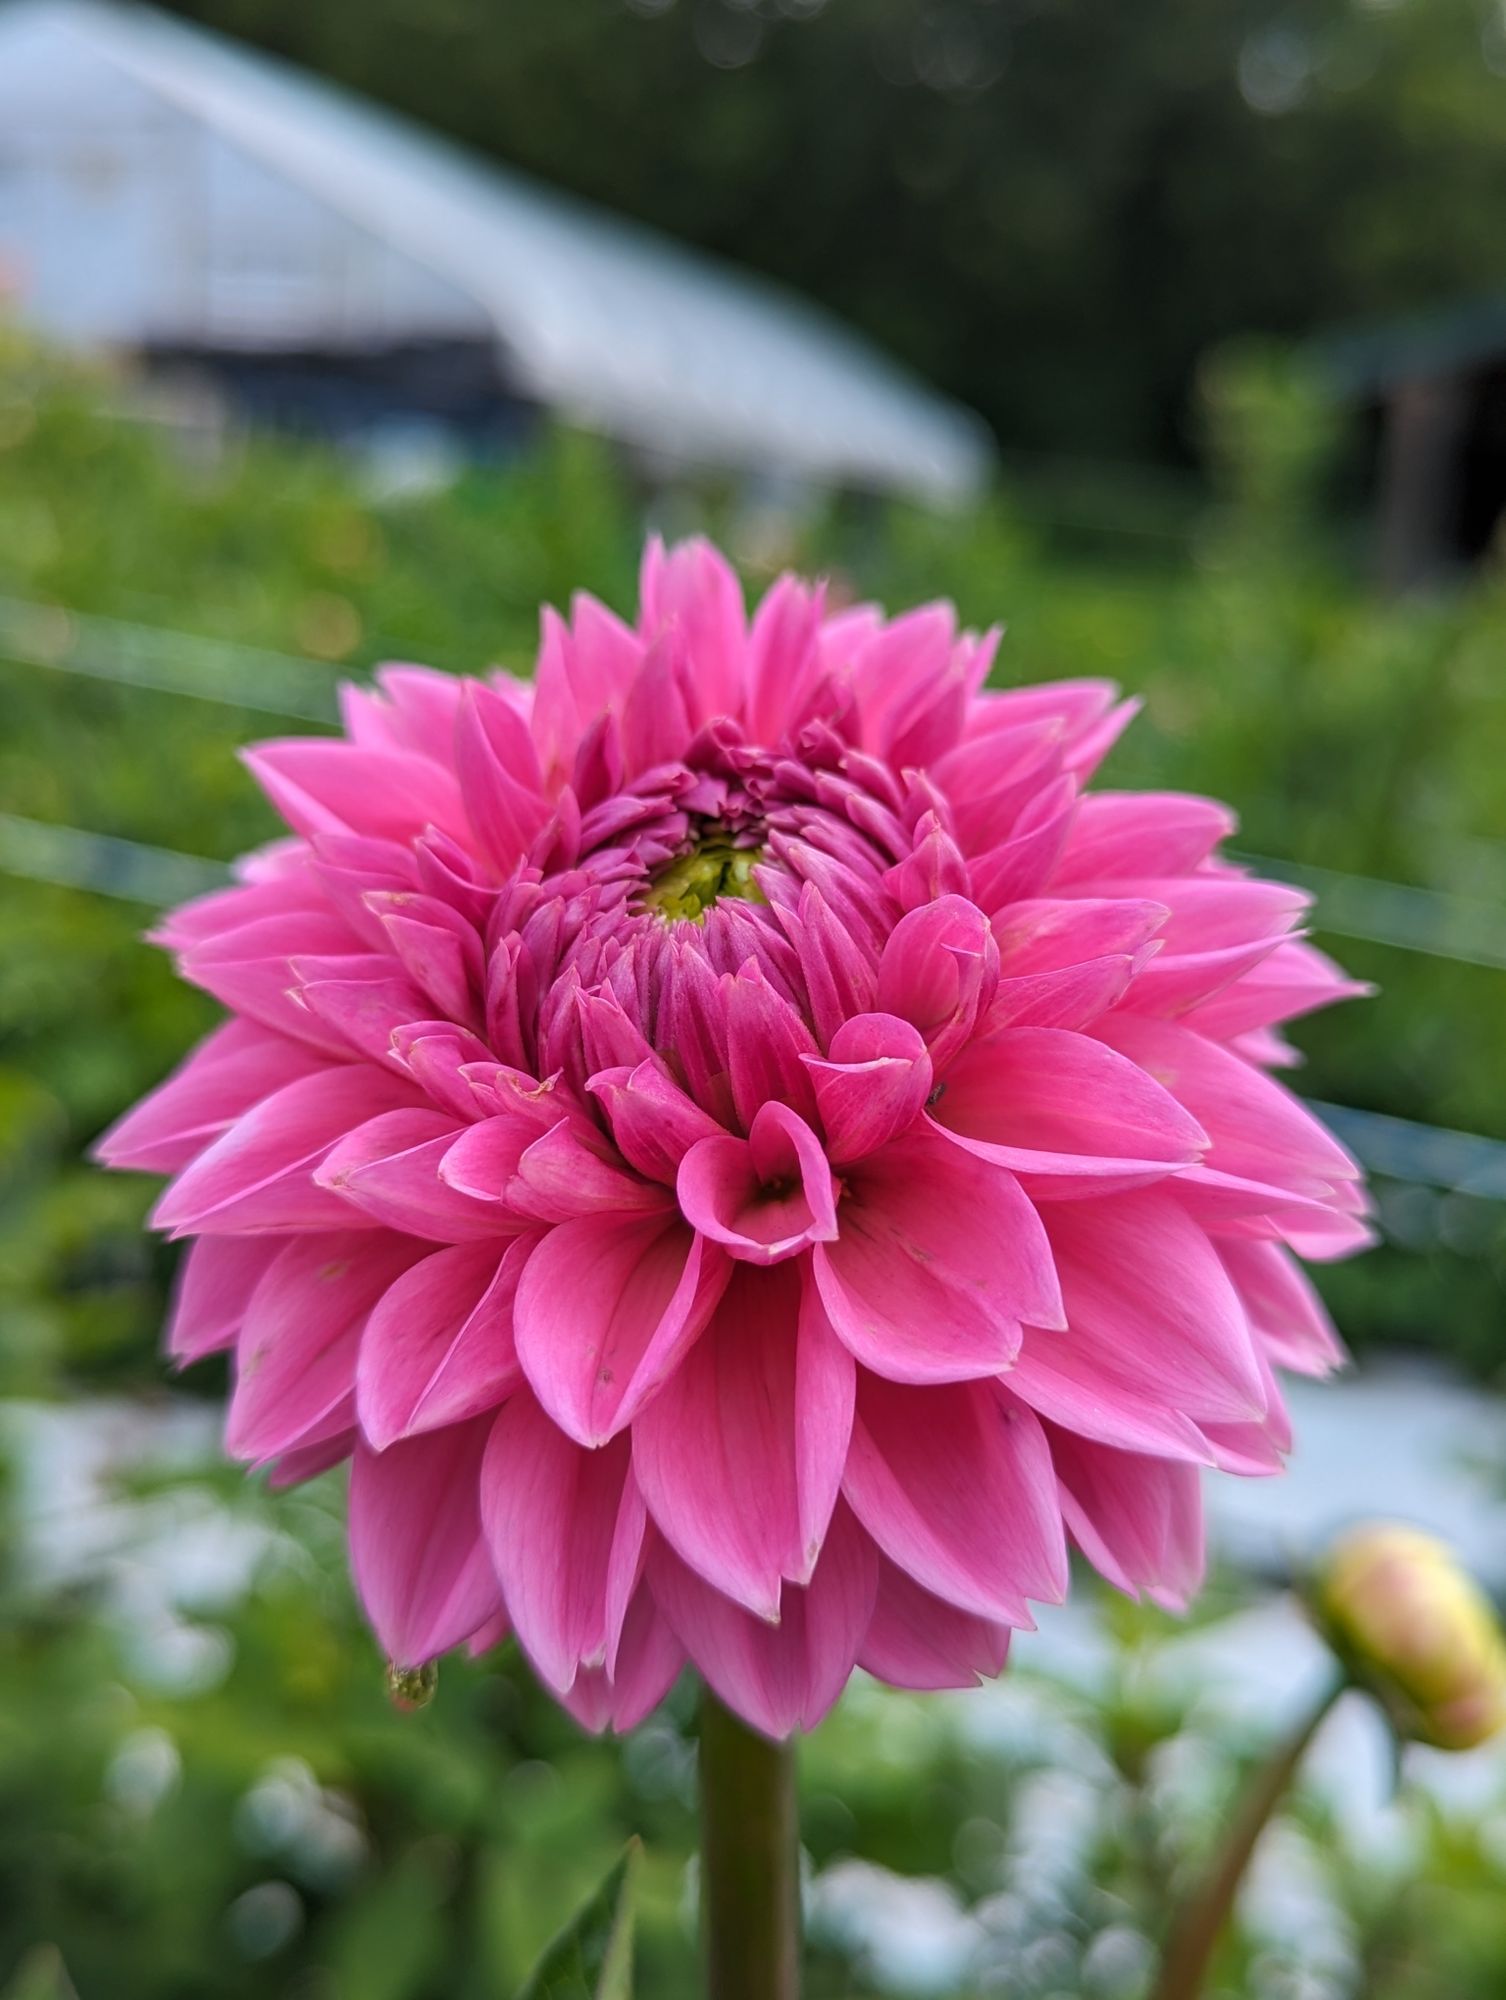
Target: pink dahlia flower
[[746, 1156]]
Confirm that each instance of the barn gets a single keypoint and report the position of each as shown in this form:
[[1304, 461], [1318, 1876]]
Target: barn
[[171, 195]]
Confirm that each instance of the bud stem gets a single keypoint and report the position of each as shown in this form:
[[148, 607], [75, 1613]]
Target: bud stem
[[1198, 1924], [750, 1861]]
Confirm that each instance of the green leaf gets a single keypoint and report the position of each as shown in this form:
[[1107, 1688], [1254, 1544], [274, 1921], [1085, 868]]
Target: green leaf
[[592, 1958], [41, 1975]]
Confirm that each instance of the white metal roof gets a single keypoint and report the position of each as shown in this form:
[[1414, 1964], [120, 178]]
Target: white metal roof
[[615, 326]]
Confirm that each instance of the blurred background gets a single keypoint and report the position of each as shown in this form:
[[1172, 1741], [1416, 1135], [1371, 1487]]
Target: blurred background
[[1174, 335]]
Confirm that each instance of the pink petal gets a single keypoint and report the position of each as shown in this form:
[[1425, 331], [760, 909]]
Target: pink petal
[[782, 661], [296, 1353], [424, 705], [1150, 1311], [607, 653], [274, 882], [1124, 834], [363, 998], [740, 1454], [766, 1044], [938, 971], [500, 779], [955, 1485], [435, 1054], [311, 1460], [1230, 1206], [873, 1086], [250, 971], [486, 1638], [606, 1308], [1259, 1131], [934, 867], [782, 1677], [1064, 1380], [583, 669], [922, 729], [389, 1169], [939, 1260], [714, 1452], [693, 1027], [483, 1161], [1064, 1112], [838, 974], [231, 1069], [1257, 1448], [1022, 866], [1051, 934], [693, 589], [1174, 983], [1076, 706], [904, 661], [1074, 998], [1139, 1520], [765, 1198], [558, 715], [1088, 748], [565, 1528], [438, 1347], [917, 1640], [1325, 1240], [1294, 979], [825, 1389], [609, 1037], [421, 1564], [1284, 1310], [349, 866], [258, 1176], [438, 949], [654, 1122], [1218, 911], [649, 1661], [214, 1285], [656, 715], [1267, 1048], [561, 1175], [990, 780], [331, 787]]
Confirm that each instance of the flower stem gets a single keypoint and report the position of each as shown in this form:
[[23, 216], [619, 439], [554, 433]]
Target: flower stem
[[750, 1861], [1198, 1924]]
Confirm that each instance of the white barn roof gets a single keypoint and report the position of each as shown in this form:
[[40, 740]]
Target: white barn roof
[[159, 184]]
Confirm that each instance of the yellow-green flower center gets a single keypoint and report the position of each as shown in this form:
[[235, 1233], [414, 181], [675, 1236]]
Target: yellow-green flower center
[[688, 887]]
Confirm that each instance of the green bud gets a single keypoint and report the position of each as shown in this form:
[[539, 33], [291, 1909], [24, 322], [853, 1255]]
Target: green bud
[[1415, 1630]]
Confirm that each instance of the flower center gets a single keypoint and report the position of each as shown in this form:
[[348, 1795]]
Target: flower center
[[712, 869]]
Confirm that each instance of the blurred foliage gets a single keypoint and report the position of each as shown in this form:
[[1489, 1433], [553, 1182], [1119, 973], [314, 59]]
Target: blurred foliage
[[212, 1799], [249, 1814], [986, 184], [592, 1958], [206, 1795]]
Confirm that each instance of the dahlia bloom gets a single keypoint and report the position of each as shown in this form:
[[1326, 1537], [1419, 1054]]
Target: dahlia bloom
[[745, 1155]]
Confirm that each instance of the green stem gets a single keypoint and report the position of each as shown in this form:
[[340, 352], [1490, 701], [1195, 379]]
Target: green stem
[[750, 1861], [1198, 1924]]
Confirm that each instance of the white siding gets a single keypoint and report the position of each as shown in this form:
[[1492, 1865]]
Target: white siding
[[160, 183], [125, 219]]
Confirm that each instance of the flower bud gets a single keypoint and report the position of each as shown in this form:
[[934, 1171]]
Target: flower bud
[[1415, 1629]]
